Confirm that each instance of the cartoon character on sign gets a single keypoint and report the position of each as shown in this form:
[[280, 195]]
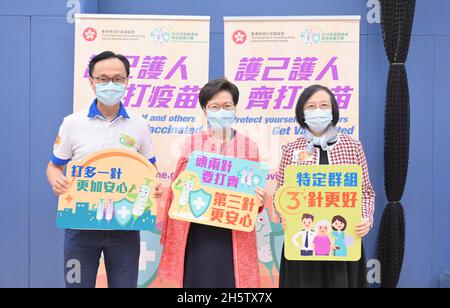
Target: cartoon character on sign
[[199, 202], [322, 241], [307, 235], [185, 187], [270, 240], [263, 231], [142, 202], [341, 241]]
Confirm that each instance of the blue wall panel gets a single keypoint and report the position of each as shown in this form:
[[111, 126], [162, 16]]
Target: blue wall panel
[[440, 159], [45, 7], [15, 149], [218, 9], [51, 97]]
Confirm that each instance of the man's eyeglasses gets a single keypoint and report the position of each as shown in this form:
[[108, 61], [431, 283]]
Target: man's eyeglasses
[[106, 80]]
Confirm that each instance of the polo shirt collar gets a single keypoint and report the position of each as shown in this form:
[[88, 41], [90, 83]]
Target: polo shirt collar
[[94, 112]]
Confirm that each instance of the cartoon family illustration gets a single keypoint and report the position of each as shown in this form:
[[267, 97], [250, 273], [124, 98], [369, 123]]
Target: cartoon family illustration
[[325, 239]]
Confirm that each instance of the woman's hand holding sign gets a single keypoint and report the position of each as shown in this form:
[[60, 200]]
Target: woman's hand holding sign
[[364, 228], [262, 196]]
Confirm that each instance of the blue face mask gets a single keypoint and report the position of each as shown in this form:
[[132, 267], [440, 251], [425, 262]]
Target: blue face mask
[[221, 120], [110, 94], [318, 120]]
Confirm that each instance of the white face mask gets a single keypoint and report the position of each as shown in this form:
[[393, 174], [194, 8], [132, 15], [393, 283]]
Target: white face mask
[[319, 119], [221, 120], [110, 94]]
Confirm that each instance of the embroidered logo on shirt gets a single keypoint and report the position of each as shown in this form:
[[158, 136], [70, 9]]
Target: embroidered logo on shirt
[[301, 156], [127, 141]]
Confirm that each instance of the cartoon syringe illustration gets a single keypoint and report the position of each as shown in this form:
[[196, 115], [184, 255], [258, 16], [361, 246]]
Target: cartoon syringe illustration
[[248, 178], [142, 202], [109, 210], [243, 174], [100, 210], [185, 187]]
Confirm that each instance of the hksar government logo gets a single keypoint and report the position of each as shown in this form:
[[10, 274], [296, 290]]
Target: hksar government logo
[[239, 37], [90, 34]]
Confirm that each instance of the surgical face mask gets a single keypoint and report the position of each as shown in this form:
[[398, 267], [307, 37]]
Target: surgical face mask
[[221, 120], [110, 94], [319, 119]]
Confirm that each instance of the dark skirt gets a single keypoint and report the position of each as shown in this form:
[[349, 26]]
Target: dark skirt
[[311, 274], [209, 258]]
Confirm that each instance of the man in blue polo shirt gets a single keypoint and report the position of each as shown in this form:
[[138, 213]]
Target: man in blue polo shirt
[[106, 125]]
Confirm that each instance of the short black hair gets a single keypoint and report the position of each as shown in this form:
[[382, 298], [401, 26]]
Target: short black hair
[[105, 56], [213, 87], [306, 95]]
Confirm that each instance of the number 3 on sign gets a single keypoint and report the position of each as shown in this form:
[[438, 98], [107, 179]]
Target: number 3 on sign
[[289, 200], [294, 197]]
